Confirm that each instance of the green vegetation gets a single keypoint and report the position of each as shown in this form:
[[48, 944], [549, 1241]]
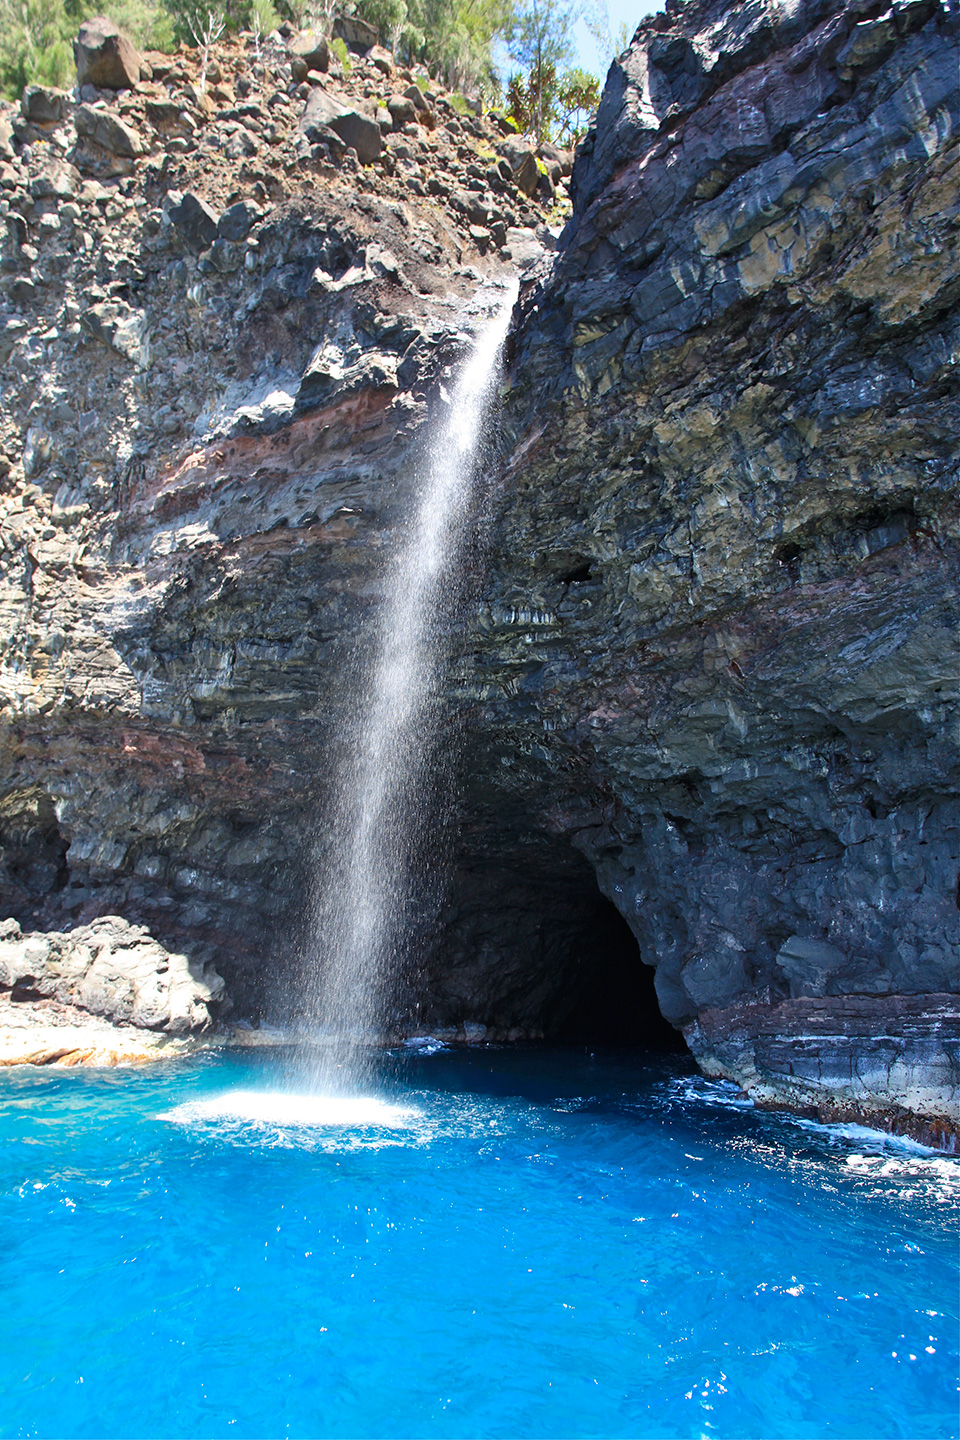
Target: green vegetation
[[36, 37], [552, 107], [263, 19], [457, 41]]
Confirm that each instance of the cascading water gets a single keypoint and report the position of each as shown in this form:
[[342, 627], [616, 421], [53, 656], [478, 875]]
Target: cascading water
[[377, 805]]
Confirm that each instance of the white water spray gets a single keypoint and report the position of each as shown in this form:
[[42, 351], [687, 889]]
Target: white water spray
[[379, 802]]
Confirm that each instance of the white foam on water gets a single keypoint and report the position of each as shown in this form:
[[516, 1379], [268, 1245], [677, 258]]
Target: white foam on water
[[278, 1108], [696, 1089], [424, 1044], [866, 1137]]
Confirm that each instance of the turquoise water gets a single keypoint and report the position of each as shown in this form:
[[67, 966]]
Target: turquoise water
[[545, 1244]]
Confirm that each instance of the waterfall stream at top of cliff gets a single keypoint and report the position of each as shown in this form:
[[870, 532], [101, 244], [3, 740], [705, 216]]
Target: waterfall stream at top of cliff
[[376, 815]]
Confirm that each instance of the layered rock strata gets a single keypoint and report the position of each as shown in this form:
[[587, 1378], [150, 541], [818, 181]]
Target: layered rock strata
[[220, 338], [717, 650]]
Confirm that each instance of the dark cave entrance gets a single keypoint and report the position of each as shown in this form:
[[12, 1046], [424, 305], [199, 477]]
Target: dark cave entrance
[[611, 1000]]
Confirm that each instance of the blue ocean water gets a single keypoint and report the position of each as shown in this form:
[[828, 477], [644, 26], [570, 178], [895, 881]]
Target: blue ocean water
[[537, 1244]]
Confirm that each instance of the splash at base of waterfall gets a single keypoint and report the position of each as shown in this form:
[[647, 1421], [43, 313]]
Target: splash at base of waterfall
[[280, 1108]]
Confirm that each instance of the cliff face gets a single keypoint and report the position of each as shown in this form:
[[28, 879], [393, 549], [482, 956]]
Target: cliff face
[[717, 649], [711, 661], [220, 337]]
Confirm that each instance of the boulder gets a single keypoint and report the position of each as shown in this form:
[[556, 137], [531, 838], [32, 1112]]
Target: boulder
[[11, 332], [197, 225], [105, 127], [236, 222], [382, 59], [402, 110], [117, 325], [17, 229], [114, 969], [6, 139], [414, 93], [57, 181], [361, 132], [553, 158], [311, 49], [105, 57], [43, 105], [523, 164], [355, 33], [23, 292]]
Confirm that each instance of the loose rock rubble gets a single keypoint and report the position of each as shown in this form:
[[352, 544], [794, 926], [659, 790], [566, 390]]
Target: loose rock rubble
[[150, 216]]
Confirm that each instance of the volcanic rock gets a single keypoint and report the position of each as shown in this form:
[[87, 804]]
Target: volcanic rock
[[356, 34], [361, 132], [196, 223], [702, 694], [238, 220], [311, 49], [95, 122], [112, 969], [43, 105], [522, 160], [105, 57]]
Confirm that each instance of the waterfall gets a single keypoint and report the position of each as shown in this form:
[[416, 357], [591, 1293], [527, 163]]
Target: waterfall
[[379, 797]]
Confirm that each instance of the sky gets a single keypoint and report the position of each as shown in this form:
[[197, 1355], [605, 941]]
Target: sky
[[628, 12]]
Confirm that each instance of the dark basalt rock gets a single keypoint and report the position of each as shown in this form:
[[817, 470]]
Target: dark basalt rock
[[717, 646], [196, 222], [105, 58], [323, 111]]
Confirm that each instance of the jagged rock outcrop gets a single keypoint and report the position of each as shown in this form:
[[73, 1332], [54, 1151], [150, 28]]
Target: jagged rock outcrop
[[113, 969], [219, 347], [717, 649]]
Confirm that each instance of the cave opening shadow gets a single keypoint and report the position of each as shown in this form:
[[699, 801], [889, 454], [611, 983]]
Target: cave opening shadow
[[612, 1001]]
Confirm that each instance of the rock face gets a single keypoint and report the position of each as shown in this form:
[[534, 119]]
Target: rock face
[[113, 969], [710, 662], [219, 354], [888, 1062], [718, 644]]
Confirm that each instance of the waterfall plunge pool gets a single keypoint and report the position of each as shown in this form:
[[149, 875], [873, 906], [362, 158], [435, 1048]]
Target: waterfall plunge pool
[[513, 1243]]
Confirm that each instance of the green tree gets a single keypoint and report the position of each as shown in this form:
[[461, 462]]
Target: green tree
[[261, 20], [35, 45], [577, 98], [147, 22], [452, 38], [540, 41], [552, 107], [390, 18], [596, 17], [36, 37]]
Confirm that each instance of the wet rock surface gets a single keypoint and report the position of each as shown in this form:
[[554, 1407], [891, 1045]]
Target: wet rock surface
[[889, 1062]]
